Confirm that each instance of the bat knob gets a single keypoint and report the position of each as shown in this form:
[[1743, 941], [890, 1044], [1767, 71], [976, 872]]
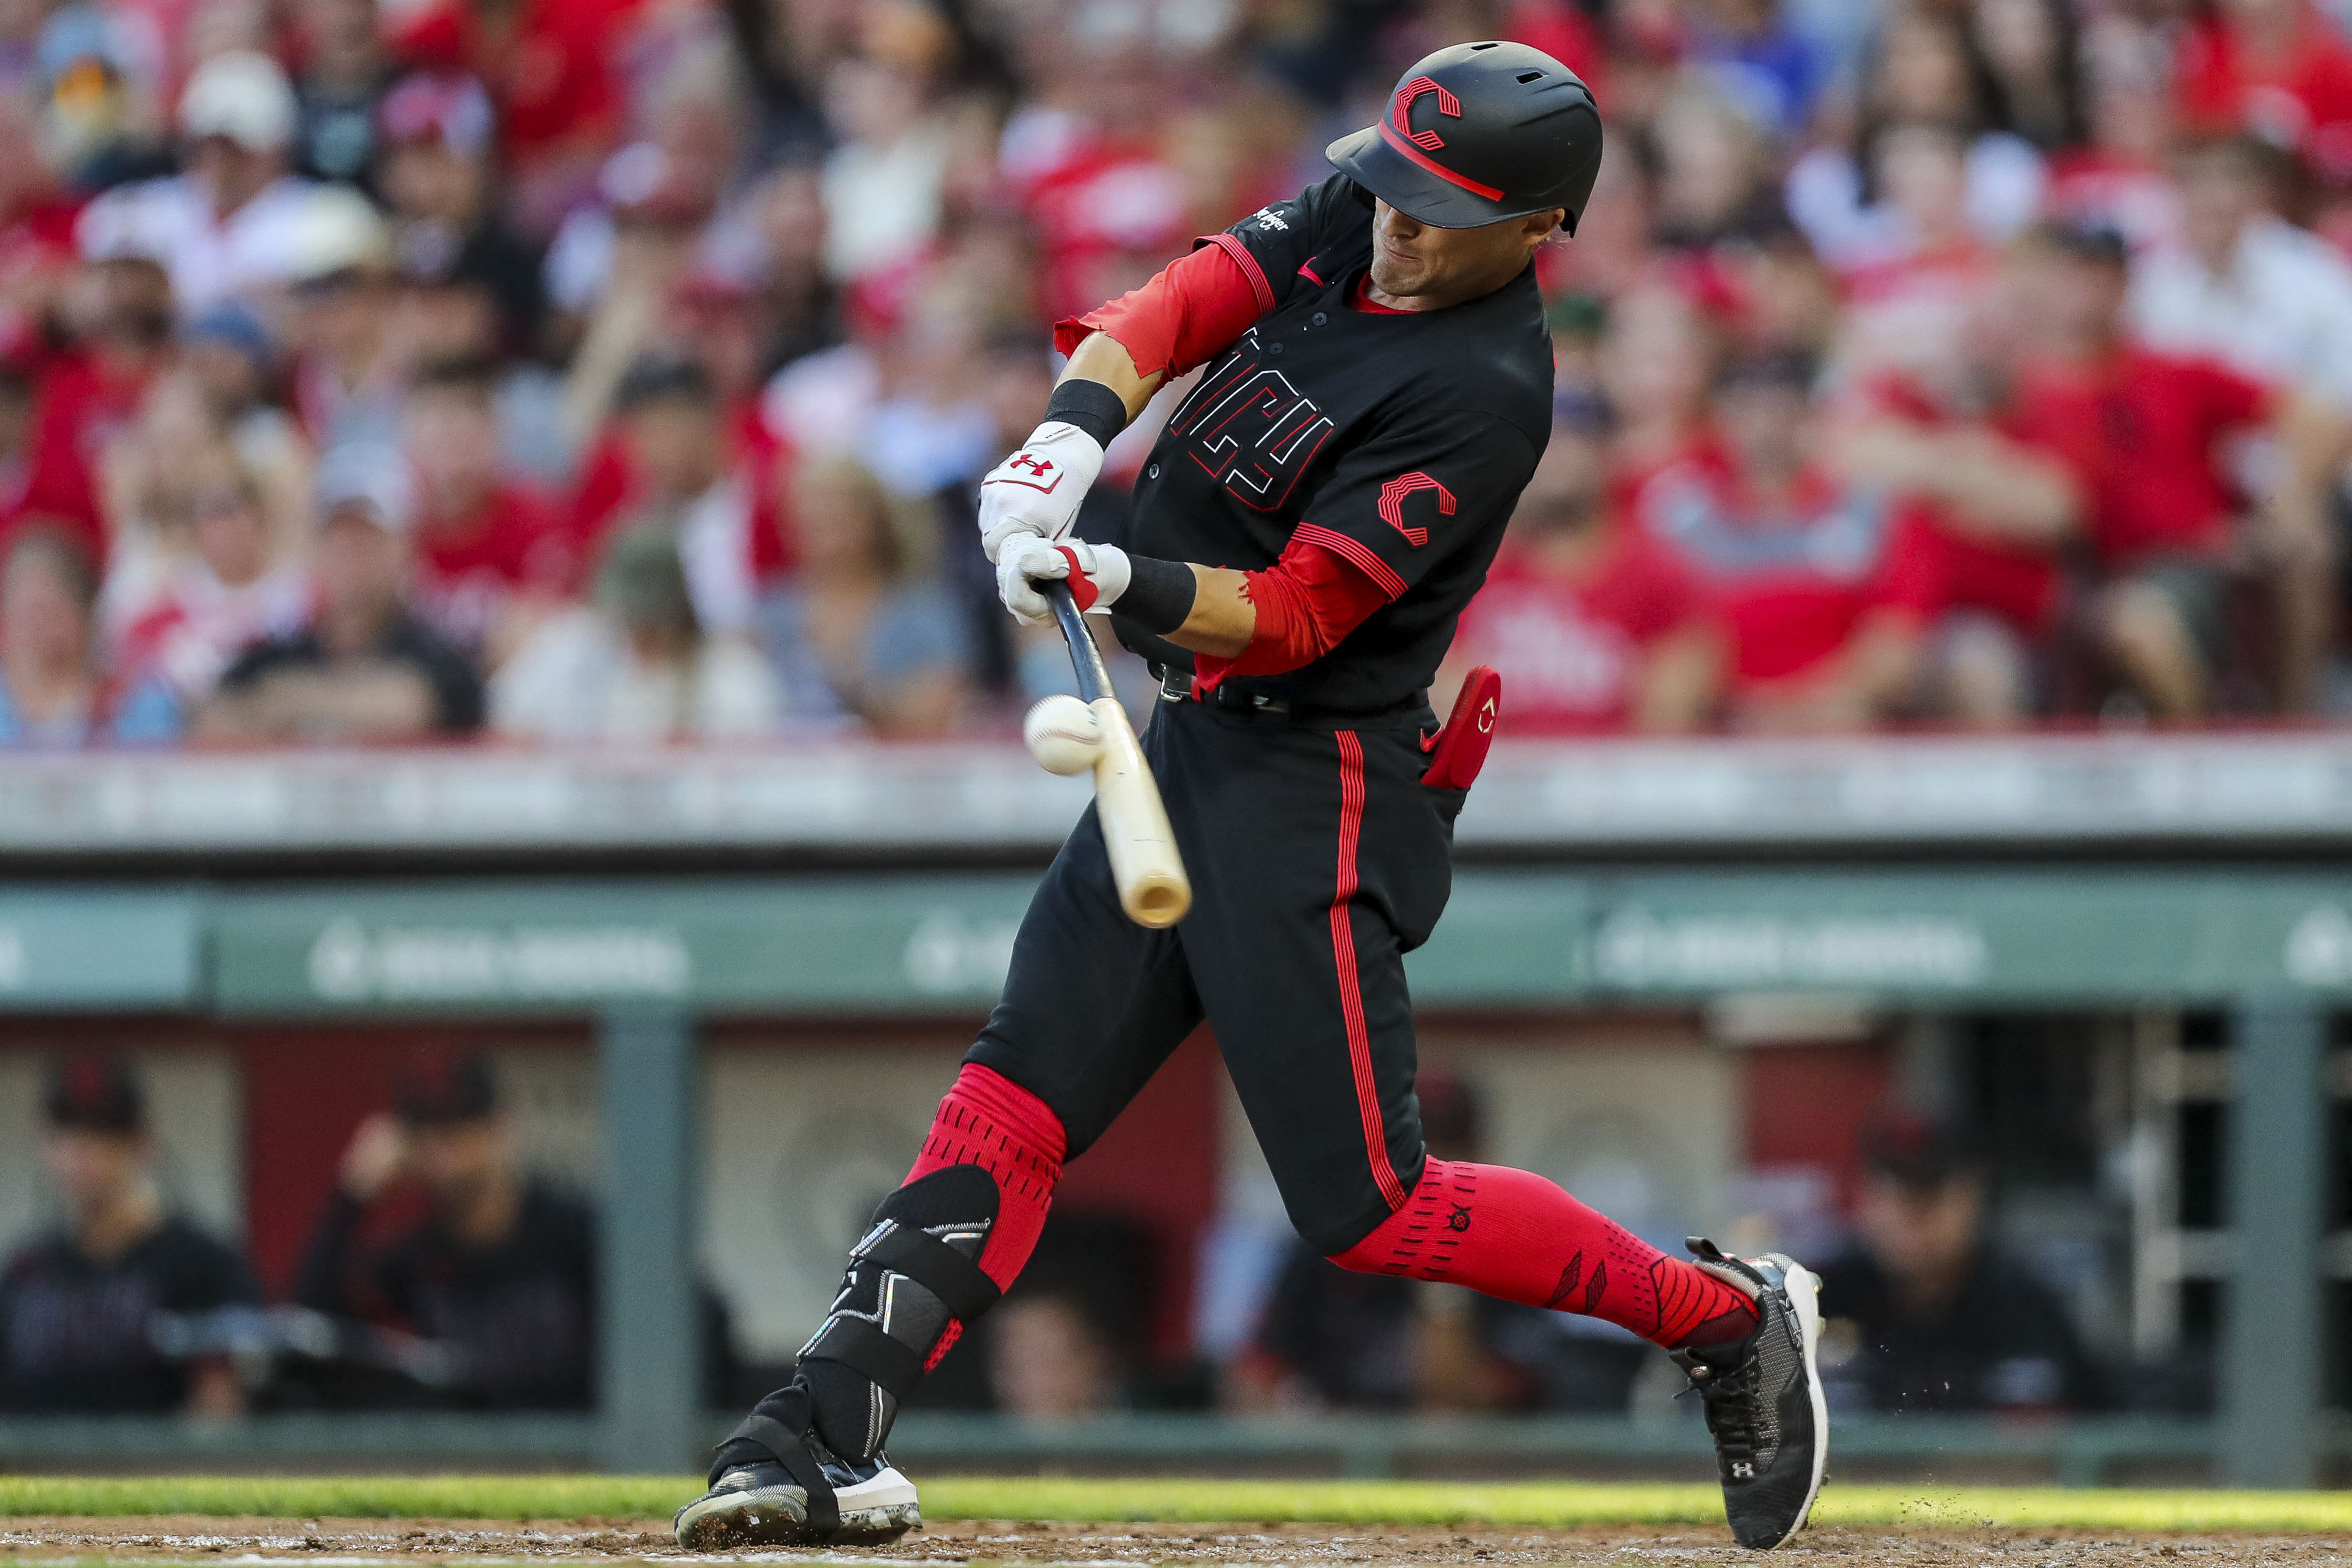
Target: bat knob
[[1158, 902]]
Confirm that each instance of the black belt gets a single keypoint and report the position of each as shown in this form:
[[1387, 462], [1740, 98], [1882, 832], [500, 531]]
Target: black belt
[[1176, 686]]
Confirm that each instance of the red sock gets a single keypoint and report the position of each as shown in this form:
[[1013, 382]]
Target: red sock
[[989, 1121], [1517, 1236]]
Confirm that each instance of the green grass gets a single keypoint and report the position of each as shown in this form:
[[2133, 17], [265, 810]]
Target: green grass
[[1189, 1500]]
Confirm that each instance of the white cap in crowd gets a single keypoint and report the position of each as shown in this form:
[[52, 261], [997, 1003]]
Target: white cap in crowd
[[335, 230], [370, 476], [241, 94]]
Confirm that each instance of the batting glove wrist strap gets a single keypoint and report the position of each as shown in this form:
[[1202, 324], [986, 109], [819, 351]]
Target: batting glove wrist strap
[[1159, 593], [1091, 406], [1037, 490]]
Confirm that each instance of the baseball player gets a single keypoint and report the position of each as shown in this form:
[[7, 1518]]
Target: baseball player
[[1306, 530]]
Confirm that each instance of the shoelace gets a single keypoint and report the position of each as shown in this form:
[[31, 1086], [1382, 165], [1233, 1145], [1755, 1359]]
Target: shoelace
[[1729, 1400]]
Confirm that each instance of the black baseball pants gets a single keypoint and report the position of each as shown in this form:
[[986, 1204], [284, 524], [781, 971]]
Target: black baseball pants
[[1318, 860]]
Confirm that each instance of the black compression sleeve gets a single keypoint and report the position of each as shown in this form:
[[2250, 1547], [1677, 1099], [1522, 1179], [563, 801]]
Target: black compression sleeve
[[1158, 594], [1090, 405]]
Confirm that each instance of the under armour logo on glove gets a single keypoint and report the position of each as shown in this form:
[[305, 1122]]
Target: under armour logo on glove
[[1037, 490]]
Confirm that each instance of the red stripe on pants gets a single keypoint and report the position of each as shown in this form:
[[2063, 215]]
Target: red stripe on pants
[[1343, 955]]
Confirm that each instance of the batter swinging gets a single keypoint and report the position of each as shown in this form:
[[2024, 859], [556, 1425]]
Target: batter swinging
[[1307, 529]]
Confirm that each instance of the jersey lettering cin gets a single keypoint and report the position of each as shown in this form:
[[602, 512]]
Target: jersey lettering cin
[[1399, 441], [1250, 428]]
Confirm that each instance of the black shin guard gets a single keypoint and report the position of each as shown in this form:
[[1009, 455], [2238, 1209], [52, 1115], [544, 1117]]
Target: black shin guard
[[911, 1275]]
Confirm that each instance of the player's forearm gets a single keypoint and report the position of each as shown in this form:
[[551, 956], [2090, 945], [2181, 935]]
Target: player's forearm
[[1103, 358], [1680, 682], [1999, 488], [1223, 620], [1992, 486]]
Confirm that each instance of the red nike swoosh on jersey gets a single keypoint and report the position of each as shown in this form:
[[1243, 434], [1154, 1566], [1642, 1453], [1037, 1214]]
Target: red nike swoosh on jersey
[[1429, 742]]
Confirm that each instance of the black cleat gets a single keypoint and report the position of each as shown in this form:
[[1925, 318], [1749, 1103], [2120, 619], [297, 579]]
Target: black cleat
[[1763, 1397], [758, 1503]]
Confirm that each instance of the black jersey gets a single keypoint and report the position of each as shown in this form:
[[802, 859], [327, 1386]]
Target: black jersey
[[75, 1334], [1401, 441], [520, 1313]]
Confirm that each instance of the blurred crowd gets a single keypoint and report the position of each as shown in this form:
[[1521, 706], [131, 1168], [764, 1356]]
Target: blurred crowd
[[621, 370], [442, 1272]]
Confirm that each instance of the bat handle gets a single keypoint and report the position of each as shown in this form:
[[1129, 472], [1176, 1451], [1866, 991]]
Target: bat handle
[[1093, 681]]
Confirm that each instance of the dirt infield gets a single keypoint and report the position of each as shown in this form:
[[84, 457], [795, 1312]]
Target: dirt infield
[[352, 1543]]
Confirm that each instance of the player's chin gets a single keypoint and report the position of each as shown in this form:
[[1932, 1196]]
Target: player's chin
[[1394, 279]]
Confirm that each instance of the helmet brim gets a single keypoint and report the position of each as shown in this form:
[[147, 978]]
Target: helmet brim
[[1419, 187]]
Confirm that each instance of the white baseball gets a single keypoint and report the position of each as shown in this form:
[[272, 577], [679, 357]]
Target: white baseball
[[1062, 735]]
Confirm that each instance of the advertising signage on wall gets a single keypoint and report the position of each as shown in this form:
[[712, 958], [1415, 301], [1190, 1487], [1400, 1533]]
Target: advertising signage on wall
[[1988, 938], [913, 944], [896, 944], [76, 949]]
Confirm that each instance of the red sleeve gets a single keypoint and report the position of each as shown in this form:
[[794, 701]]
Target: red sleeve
[[1195, 306], [1915, 578], [1660, 594], [2232, 399], [602, 489], [1307, 602], [770, 462]]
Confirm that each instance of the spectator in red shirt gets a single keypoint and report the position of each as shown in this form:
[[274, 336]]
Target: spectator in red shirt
[[680, 462], [120, 311], [2144, 432], [548, 65], [37, 231], [1595, 625], [2275, 67], [1982, 510], [1794, 555], [491, 556]]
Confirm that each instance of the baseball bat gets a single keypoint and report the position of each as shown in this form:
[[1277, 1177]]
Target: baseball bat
[[1144, 865]]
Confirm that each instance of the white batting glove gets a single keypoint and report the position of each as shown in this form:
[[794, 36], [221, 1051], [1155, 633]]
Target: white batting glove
[[1098, 575], [1037, 491]]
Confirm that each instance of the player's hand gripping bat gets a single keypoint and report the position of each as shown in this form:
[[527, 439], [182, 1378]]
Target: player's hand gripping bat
[[1091, 731]]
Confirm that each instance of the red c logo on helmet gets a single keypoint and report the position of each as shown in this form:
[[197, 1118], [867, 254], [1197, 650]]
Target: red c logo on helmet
[[1401, 112], [1392, 495]]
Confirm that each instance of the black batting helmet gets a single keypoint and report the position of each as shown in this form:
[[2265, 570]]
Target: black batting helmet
[[1504, 130]]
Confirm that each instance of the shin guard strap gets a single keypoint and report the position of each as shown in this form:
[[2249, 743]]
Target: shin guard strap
[[858, 1345], [791, 1451], [931, 1263]]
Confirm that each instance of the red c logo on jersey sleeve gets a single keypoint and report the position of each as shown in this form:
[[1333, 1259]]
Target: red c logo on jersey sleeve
[[1392, 495]]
